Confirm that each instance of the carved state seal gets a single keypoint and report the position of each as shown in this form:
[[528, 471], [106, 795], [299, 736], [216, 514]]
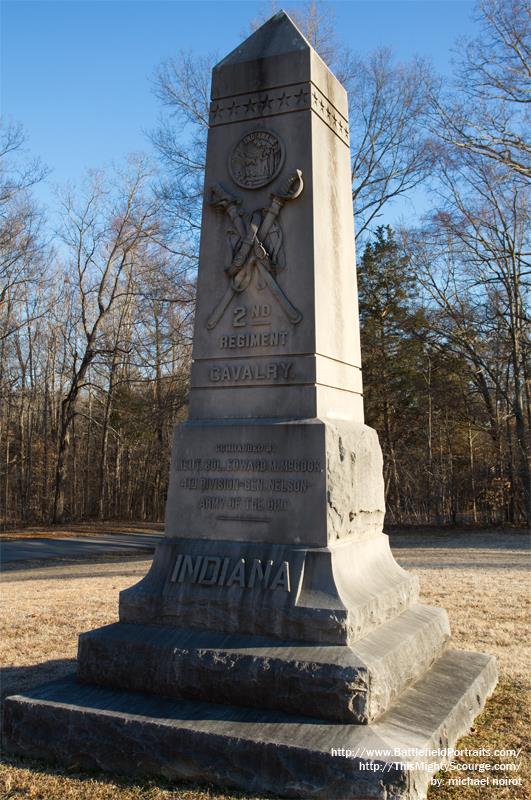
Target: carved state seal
[[256, 159]]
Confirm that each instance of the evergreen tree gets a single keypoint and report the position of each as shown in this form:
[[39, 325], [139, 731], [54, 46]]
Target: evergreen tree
[[392, 355]]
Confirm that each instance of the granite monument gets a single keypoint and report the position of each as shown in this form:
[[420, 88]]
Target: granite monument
[[274, 632]]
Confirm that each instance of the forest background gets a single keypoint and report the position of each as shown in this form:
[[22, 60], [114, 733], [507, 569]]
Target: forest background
[[96, 321]]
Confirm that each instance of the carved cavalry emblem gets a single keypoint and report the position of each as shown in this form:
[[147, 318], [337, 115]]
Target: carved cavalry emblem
[[256, 247]]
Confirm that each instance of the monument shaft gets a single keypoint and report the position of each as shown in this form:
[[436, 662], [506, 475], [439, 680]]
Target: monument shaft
[[276, 333], [276, 341]]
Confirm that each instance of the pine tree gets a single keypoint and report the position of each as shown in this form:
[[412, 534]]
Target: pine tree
[[392, 355]]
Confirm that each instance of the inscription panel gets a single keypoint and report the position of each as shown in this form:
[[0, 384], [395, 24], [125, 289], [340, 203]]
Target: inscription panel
[[243, 573], [252, 340], [249, 371], [254, 324], [248, 483]]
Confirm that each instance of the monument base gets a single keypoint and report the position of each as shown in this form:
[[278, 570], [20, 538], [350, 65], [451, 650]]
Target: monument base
[[257, 751], [337, 594], [341, 683]]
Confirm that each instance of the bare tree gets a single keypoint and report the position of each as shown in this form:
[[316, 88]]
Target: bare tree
[[391, 151], [104, 232], [487, 113], [183, 87], [94, 347], [474, 262], [21, 241]]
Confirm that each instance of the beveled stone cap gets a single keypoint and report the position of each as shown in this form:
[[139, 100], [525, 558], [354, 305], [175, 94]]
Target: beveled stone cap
[[278, 36], [277, 54]]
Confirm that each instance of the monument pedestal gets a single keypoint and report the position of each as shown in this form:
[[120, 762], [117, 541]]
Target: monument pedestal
[[257, 751], [275, 645], [274, 529]]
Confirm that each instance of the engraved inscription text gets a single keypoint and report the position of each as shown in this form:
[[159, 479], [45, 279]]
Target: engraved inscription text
[[218, 571]]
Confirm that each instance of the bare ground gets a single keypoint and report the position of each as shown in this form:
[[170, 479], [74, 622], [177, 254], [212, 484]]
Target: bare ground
[[481, 579]]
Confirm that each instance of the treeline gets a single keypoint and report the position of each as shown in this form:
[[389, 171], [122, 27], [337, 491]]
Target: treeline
[[94, 351], [96, 318], [442, 390]]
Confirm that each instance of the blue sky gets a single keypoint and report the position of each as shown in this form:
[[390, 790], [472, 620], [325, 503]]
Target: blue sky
[[77, 73]]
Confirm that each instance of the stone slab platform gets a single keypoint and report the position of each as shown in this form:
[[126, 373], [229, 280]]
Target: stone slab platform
[[259, 752], [342, 683]]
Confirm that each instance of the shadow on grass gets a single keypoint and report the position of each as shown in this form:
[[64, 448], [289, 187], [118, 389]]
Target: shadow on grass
[[22, 570], [14, 680], [460, 540], [87, 785], [21, 679]]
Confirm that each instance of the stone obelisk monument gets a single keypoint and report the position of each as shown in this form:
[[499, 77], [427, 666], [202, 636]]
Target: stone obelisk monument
[[275, 644]]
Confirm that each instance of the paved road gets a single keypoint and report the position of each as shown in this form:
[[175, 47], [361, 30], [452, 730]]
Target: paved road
[[38, 548]]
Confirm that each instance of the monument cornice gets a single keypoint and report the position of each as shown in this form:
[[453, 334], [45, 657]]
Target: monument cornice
[[277, 101]]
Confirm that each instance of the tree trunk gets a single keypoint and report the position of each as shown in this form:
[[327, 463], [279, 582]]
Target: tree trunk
[[60, 469]]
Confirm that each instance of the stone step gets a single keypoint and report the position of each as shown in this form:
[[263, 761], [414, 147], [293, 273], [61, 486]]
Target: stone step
[[342, 683], [256, 751]]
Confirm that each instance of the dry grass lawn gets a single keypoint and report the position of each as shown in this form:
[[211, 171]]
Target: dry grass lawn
[[480, 579]]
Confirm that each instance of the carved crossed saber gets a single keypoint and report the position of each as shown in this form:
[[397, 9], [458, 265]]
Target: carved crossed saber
[[251, 250]]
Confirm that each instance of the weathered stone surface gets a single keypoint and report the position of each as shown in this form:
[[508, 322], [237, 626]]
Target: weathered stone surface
[[254, 750], [348, 684], [354, 480], [334, 595], [286, 345], [276, 492], [302, 482]]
